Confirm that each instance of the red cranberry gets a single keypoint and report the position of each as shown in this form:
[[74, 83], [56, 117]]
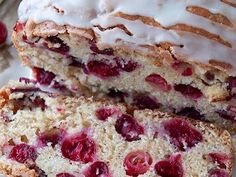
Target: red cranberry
[[177, 65], [192, 113], [230, 114], [182, 134], [129, 128], [218, 158], [27, 80], [43, 77], [63, 49], [232, 82], [3, 33], [23, 153], [104, 113], [137, 163], [209, 76], [19, 27], [218, 173], [124, 65], [39, 102], [25, 39], [187, 72], [189, 91], [95, 49], [116, 94], [143, 101], [25, 90], [53, 136], [102, 69], [58, 86], [182, 68], [79, 148], [64, 175], [171, 167], [158, 81], [97, 169]]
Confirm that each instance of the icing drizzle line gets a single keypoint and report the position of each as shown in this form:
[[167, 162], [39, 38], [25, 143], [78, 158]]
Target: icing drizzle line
[[165, 13]]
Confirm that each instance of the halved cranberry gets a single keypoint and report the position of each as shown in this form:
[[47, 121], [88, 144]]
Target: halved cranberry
[[104, 113], [158, 81], [19, 27], [218, 173], [62, 49], [182, 134], [39, 102], [189, 91], [143, 101], [137, 163], [218, 158], [97, 169], [95, 49], [3, 33], [182, 68], [232, 83], [79, 147], [129, 128], [64, 175], [192, 113], [23, 153], [230, 114], [53, 136], [43, 77], [102, 69], [187, 72], [124, 65], [171, 167]]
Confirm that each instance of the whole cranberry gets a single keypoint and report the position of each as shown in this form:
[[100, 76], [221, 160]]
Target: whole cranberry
[[23, 153], [3, 33], [137, 163], [79, 147]]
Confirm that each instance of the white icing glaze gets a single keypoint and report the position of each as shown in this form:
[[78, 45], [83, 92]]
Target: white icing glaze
[[89, 13]]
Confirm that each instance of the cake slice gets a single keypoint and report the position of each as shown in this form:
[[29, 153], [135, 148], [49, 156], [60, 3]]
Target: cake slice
[[44, 134], [177, 56]]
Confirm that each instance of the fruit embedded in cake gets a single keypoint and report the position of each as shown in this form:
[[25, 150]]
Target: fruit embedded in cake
[[77, 136], [137, 163], [147, 60]]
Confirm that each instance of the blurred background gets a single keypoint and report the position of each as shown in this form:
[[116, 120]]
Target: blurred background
[[10, 67]]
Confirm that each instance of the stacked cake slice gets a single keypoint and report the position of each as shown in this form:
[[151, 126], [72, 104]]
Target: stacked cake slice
[[178, 56], [44, 134]]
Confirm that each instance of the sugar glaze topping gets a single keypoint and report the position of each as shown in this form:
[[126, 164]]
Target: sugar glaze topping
[[166, 15]]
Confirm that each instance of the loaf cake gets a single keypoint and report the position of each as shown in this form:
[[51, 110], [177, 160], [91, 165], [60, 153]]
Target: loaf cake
[[176, 56], [46, 134]]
